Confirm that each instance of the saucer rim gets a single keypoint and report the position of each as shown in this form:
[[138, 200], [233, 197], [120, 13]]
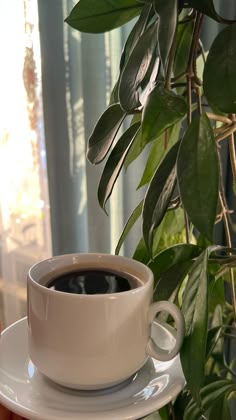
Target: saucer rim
[[146, 409]]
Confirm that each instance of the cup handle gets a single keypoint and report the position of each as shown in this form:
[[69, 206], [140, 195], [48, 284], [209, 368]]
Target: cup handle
[[152, 349]]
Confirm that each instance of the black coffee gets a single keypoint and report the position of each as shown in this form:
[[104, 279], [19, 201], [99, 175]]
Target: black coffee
[[92, 282]]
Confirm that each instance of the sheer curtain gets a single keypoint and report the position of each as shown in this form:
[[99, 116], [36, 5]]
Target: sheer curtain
[[78, 72], [25, 235]]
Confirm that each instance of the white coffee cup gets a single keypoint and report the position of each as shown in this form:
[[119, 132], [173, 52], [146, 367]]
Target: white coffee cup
[[94, 341]]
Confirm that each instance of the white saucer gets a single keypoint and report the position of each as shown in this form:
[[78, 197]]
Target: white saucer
[[26, 392]]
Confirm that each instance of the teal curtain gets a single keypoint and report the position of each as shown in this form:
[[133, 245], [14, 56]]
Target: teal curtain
[[78, 72]]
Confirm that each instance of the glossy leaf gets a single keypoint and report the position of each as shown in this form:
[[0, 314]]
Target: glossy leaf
[[220, 410], [216, 291], [135, 34], [171, 280], [128, 226], [195, 310], [136, 148], [198, 175], [150, 79], [157, 152], [168, 13], [158, 195], [160, 240], [212, 338], [171, 256], [162, 109], [163, 413], [207, 7], [137, 67], [100, 16], [169, 232], [141, 253], [131, 41], [180, 404], [210, 394], [217, 321], [220, 71], [170, 267], [183, 43], [157, 236], [114, 164], [104, 133]]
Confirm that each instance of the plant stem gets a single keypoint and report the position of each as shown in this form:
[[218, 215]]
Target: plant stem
[[179, 76], [223, 270], [187, 230], [176, 85], [229, 244], [229, 335], [232, 156], [226, 133], [220, 118], [194, 44], [202, 51], [199, 103], [166, 139], [221, 129], [189, 99]]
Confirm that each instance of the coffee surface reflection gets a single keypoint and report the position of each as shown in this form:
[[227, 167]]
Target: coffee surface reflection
[[91, 282]]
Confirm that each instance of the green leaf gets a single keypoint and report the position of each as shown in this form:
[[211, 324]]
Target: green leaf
[[207, 7], [136, 148], [183, 44], [114, 164], [212, 338], [220, 71], [180, 404], [218, 350], [171, 280], [129, 224], [163, 413], [100, 16], [141, 254], [162, 109], [137, 67], [202, 241], [174, 222], [198, 175], [135, 34], [195, 310], [171, 228], [220, 410], [131, 41], [168, 13], [104, 133], [216, 292], [209, 395], [172, 256], [158, 195], [170, 268], [157, 152]]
